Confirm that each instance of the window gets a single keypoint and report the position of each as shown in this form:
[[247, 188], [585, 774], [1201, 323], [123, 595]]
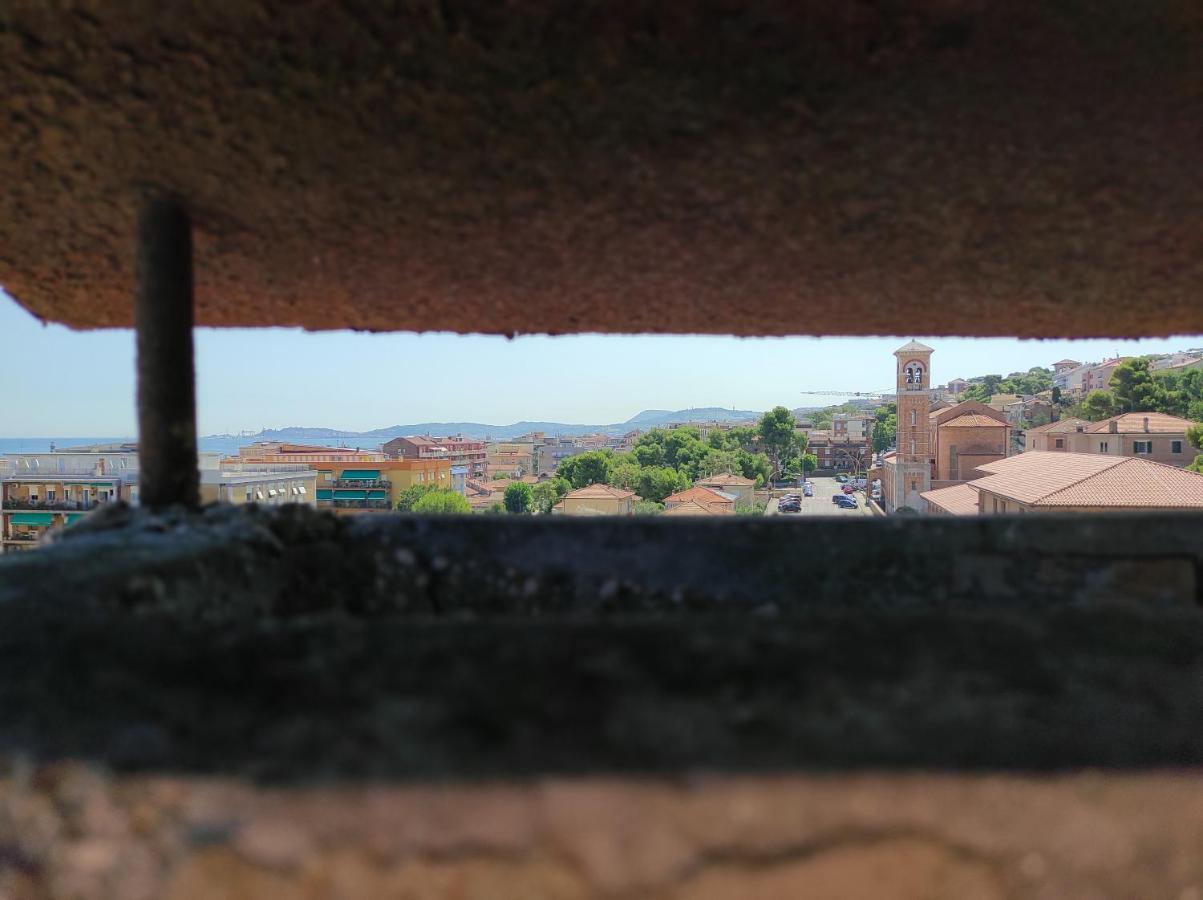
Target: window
[[1102, 446], [50, 496], [1060, 443], [913, 421], [1175, 446], [1142, 447], [249, 495]]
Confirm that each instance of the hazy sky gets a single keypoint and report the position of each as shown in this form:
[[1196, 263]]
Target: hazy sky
[[55, 382]]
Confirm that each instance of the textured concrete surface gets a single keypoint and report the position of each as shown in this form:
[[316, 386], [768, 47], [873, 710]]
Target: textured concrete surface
[[940, 166], [70, 831], [286, 645]]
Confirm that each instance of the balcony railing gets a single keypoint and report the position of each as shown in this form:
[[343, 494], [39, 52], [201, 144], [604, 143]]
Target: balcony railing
[[57, 506], [361, 504], [376, 483]]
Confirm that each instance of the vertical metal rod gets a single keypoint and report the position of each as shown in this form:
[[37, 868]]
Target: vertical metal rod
[[166, 377]]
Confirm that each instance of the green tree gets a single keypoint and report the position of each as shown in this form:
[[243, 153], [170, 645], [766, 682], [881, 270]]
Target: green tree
[[411, 495], [518, 498], [810, 462], [544, 497], [442, 502], [648, 508], [885, 427], [1194, 435], [778, 437], [587, 468], [1099, 405], [983, 388], [657, 482], [1135, 389]]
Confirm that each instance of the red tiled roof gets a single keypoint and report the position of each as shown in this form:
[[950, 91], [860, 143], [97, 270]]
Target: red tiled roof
[[1133, 423], [598, 491], [1054, 479], [693, 508], [972, 420], [958, 499], [1064, 426], [727, 479], [696, 494]]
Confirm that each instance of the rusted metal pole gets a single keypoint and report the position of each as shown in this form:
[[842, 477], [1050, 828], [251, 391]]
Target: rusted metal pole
[[166, 378]]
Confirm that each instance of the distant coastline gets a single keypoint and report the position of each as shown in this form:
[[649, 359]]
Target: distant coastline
[[229, 443]]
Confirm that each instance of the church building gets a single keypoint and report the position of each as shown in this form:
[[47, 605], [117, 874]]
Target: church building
[[907, 471]]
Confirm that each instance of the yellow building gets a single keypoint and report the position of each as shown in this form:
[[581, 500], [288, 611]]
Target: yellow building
[[351, 489], [512, 459], [43, 491], [597, 500]]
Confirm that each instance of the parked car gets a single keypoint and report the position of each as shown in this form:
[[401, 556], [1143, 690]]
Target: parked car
[[836, 498], [876, 495], [841, 478], [790, 507], [845, 502], [847, 489], [808, 489]]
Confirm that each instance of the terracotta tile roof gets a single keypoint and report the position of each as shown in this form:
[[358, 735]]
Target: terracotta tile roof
[[972, 420], [599, 491], [1133, 423], [702, 495], [727, 479], [692, 508], [914, 347], [1053, 479], [958, 500], [1064, 426]]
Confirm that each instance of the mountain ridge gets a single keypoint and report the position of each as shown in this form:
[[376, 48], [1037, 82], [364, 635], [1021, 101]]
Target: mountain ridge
[[648, 418]]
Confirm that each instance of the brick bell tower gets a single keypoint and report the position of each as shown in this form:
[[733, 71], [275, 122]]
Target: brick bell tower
[[914, 438]]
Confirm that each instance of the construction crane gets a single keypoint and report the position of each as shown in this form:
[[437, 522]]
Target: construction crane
[[835, 393]]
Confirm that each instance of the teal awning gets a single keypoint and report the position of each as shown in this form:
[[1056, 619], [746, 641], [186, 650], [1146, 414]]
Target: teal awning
[[31, 518], [377, 495], [349, 495], [74, 517], [325, 494], [360, 474]]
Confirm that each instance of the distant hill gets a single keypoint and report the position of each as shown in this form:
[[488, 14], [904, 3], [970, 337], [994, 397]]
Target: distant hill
[[649, 418]]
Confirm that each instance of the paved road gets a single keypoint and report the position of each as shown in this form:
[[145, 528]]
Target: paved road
[[820, 504]]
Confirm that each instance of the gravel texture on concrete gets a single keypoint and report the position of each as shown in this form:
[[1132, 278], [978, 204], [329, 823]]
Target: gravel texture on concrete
[[932, 166]]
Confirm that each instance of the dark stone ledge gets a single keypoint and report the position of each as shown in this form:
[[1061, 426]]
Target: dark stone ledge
[[288, 645]]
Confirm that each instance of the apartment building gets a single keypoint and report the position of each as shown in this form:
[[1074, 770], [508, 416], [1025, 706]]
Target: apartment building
[[1037, 482], [43, 491], [848, 428], [1151, 435], [464, 453], [267, 484], [512, 459], [284, 452]]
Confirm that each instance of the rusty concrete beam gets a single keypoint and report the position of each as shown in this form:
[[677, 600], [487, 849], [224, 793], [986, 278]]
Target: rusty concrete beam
[[167, 455], [951, 167]]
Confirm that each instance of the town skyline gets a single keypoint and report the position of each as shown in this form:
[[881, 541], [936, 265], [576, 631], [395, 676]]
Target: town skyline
[[278, 378]]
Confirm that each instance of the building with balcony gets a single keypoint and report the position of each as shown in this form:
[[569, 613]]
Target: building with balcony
[[349, 489], [43, 491], [470, 455]]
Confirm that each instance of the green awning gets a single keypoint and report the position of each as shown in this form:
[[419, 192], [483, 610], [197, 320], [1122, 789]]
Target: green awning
[[32, 518], [325, 494], [359, 474], [350, 495], [377, 495], [74, 517]]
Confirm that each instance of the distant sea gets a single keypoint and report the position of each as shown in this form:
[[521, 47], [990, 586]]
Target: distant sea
[[227, 444]]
